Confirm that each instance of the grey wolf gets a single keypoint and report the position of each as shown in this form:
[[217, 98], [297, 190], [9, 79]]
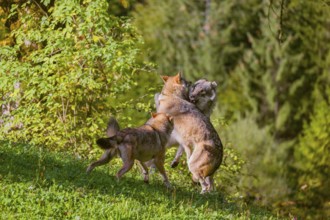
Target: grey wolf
[[193, 130], [142, 144], [203, 95]]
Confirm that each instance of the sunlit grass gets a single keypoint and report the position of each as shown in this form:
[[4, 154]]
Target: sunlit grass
[[37, 184]]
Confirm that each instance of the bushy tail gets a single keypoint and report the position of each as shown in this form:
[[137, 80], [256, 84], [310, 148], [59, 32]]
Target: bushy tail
[[112, 140], [113, 127]]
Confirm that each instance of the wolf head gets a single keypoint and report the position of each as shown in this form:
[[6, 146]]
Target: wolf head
[[203, 94], [175, 85]]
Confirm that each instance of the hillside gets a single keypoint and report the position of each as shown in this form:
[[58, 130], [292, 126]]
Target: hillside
[[38, 184]]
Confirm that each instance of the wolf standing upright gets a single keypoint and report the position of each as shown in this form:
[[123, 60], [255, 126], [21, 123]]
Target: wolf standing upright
[[203, 95], [192, 129]]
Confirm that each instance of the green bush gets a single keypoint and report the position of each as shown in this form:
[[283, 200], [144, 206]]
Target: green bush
[[66, 67], [262, 178]]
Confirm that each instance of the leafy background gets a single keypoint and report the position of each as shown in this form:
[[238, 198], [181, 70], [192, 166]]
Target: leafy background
[[66, 66]]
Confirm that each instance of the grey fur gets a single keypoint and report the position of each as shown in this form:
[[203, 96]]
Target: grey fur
[[113, 127], [193, 130], [203, 95], [143, 144]]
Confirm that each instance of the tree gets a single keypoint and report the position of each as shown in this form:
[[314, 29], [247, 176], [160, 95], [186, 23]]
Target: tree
[[200, 38]]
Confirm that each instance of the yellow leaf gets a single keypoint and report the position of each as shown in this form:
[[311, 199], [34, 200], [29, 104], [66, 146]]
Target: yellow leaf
[[124, 3], [96, 38]]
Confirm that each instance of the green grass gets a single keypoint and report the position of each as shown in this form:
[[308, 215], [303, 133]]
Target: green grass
[[38, 184]]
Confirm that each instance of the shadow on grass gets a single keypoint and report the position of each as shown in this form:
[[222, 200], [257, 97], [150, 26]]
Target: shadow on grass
[[22, 163]]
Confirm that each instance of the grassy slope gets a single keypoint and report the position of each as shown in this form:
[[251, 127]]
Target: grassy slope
[[37, 184]]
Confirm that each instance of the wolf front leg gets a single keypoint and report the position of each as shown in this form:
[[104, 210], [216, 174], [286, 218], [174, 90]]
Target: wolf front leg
[[178, 155], [159, 162]]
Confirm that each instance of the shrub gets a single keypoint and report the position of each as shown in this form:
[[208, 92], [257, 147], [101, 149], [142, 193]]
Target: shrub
[[312, 156], [262, 178], [66, 63]]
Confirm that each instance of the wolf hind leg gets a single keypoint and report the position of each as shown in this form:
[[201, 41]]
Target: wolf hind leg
[[125, 168], [145, 172], [188, 151], [204, 185], [210, 182], [105, 158], [205, 182], [128, 161]]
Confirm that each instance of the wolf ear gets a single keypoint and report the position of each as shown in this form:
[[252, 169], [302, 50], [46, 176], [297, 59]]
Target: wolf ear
[[164, 78], [178, 78], [214, 85], [153, 114]]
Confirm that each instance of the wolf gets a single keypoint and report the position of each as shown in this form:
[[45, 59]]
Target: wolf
[[203, 95], [193, 130], [142, 144]]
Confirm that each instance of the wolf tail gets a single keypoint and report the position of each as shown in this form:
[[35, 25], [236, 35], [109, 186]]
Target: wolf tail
[[113, 127], [112, 140]]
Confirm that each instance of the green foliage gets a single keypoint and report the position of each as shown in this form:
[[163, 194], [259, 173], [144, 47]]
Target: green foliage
[[263, 175], [68, 65], [278, 75], [272, 94], [229, 173], [312, 156], [194, 37], [267, 57], [39, 184], [138, 103]]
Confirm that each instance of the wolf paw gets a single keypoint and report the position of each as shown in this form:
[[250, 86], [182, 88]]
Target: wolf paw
[[89, 169], [146, 180]]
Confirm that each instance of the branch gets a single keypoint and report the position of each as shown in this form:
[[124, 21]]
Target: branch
[[43, 11], [280, 31]]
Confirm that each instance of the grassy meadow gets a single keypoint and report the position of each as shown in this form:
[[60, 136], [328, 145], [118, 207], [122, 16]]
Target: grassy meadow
[[39, 184]]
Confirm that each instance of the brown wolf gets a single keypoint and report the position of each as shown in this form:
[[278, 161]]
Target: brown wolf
[[143, 144], [192, 129], [203, 95]]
